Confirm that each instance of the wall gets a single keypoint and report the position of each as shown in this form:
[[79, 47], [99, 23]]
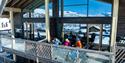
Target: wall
[[17, 20], [121, 20]]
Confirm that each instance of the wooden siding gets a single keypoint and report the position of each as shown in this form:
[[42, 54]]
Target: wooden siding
[[121, 20]]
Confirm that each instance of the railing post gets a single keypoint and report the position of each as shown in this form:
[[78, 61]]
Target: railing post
[[51, 52], [0, 41], [114, 27], [100, 37], [36, 47], [78, 58], [37, 60]]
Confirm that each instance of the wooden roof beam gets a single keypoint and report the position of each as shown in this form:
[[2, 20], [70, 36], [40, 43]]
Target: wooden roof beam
[[12, 9], [9, 1], [14, 2], [36, 5], [32, 3], [26, 4], [22, 1]]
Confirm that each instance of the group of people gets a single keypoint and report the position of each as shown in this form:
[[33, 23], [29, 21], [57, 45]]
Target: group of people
[[73, 40]]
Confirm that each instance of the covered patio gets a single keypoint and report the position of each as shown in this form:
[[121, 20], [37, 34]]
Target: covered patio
[[23, 19]]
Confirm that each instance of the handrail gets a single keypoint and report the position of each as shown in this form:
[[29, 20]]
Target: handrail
[[86, 50]]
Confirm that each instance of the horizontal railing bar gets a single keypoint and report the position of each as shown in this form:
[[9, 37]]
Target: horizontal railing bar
[[6, 59]]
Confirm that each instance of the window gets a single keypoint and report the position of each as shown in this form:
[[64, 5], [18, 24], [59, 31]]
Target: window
[[77, 29], [73, 8], [39, 12], [86, 8], [95, 28], [35, 30], [39, 30], [72, 11], [106, 33], [80, 29], [99, 9]]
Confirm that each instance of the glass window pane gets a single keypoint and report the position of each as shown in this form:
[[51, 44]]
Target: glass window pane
[[75, 11], [70, 2], [39, 31], [106, 34], [77, 29], [39, 12], [94, 28], [99, 9]]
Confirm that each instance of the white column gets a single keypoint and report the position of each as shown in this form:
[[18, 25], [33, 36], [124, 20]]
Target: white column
[[47, 20], [114, 24], [12, 32], [12, 24], [114, 27]]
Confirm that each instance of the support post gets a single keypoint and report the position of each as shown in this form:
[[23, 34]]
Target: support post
[[100, 38], [87, 34], [62, 8], [114, 24], [27, 35], [62, 15], [22, 27], [12, 33], [12, 24], [114, 28], [47, 20]]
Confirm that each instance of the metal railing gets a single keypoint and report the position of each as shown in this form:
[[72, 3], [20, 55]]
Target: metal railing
[[4, 59], [120, 54], [120, 51], [57, 53]]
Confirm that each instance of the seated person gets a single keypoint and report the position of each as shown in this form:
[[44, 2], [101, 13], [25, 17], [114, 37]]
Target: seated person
[[91, 40], [73, 40], [84, 39], [56, 41], [78, 43], [71, 37], [66, 42], [65, 36]]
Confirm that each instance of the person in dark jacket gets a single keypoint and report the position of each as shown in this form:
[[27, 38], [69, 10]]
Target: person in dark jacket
[[84, 39], [91, 40], [72, 39]]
